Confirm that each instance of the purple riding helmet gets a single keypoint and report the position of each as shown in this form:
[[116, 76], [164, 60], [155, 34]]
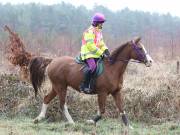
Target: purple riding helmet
[[98, 18]]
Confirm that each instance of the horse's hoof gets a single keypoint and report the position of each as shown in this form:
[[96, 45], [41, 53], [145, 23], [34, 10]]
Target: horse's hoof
[[130, 127], [90, 122], [70, 124], [36, 121]]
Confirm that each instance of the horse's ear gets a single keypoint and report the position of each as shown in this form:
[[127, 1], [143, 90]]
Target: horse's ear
[[137, 40]]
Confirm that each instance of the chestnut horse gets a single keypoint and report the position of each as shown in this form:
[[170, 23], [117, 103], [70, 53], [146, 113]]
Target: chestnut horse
[[64, 72]]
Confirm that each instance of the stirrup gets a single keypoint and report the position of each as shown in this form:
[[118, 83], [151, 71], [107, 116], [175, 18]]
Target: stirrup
[[87, 90], [81, 87]]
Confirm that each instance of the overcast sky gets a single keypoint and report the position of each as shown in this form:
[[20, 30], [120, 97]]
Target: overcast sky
[[160, 6]]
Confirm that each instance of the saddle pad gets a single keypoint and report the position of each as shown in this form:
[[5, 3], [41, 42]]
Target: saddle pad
[[99, 69]]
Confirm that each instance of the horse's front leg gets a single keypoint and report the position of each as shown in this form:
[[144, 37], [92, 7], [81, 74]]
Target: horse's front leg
[[101, 102], [119, 103]]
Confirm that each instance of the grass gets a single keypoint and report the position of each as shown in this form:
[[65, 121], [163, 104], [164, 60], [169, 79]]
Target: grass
[[25, 126], [150, 95]]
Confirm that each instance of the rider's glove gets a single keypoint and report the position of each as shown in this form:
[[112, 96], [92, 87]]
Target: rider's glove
[[106, 53]]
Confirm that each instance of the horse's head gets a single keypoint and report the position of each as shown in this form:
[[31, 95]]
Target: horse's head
[[138, 52]]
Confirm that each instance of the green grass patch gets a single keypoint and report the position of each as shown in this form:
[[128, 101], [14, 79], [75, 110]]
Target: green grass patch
[[25, 126]]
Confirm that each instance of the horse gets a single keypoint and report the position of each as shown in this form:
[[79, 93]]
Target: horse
[[64, 71]]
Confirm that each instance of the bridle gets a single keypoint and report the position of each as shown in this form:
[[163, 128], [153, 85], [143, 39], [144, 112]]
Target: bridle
[[141, 56]]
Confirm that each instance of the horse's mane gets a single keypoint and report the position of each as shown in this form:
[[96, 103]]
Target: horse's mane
[[116, 52]]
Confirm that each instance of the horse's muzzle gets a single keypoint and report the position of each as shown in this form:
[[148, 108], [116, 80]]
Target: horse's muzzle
[[148, 64], [149, 61]]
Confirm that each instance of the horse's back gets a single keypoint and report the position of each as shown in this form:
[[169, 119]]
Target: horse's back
[[63, 69], [62, 60], [59, 63]]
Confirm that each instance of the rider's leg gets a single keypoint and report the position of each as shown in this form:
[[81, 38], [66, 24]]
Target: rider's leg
[[88, 75], [92, 67], [91, 64]]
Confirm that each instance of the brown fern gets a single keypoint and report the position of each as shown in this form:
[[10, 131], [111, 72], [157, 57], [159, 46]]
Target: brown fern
[[16, 53]]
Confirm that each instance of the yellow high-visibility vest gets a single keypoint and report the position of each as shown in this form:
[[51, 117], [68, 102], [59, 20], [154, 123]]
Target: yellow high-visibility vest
[[93, 45]]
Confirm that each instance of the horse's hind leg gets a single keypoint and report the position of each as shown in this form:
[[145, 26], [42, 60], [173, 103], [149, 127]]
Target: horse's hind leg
[[63, 106], [46, 101]]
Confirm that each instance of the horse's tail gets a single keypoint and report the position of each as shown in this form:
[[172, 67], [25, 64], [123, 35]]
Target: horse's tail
[[37, 68]]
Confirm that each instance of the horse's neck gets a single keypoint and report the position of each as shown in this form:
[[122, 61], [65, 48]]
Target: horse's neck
[[120, 68], [121, 63], [124, 55]]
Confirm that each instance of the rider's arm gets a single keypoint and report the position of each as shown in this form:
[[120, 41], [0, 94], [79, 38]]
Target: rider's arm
[[90, 43], [102, 45]]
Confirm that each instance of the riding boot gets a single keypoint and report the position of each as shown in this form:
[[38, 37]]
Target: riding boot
[[85, 85]]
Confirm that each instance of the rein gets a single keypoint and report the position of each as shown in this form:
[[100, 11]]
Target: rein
[[126, 61]]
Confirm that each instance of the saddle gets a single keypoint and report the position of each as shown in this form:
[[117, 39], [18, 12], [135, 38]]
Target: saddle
[[99, 69]]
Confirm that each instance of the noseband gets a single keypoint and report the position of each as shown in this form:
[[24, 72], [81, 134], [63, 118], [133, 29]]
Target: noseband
[[141, 56]]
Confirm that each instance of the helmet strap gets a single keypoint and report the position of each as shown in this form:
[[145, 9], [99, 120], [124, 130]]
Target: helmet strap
[[96, 24], [99, 25]]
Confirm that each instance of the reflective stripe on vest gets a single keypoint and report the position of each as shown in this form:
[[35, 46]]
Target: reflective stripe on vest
[[96, 40], [92, 52]]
